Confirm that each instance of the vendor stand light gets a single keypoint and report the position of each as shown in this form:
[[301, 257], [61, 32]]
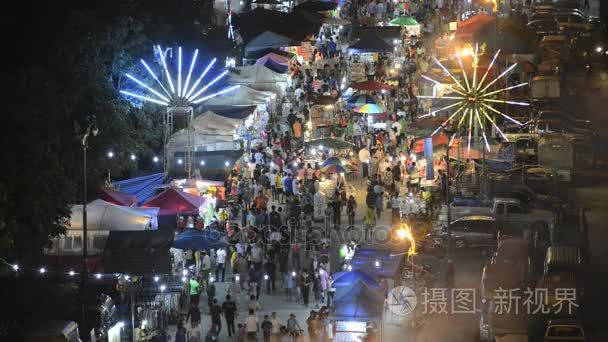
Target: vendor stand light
[[155, 159], [110, 154], [42, 270], [98, 276], [15, 267], [163, 288], [293, 274], [156, 279]]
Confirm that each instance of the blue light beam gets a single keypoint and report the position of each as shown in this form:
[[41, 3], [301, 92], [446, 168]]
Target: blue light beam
[[149, 99], [190, 71], [147, 87], [179, 71], [154, 76], [215, 94], [208, 85], [162, 58], [200, 78]]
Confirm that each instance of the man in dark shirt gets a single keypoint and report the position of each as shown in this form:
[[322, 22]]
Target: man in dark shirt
[[216, 312], [229, 309]]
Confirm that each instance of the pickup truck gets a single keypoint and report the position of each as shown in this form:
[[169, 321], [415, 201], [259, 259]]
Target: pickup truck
[[510, 214]]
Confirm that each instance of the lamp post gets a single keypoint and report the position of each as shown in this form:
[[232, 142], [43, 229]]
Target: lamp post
[[92, 129]]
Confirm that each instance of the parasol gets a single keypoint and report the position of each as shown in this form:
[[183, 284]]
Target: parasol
[[363, 99], [199, 240], [404, 21], [403, 6], [334, 169], [330, 143], [370, 109], [333, 161]]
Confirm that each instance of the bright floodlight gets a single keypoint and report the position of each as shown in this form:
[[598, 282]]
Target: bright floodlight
[[180, 161], [163, 91], [15, 267], [98, 276], [110, 154], [42, 270], [155, 159], [475, 99], [202, 163], [133, 157]]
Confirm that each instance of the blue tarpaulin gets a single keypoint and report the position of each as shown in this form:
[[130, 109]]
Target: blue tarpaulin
[[276, 67], [346, 279], [357, 303], [200, 240], [388, 266], [141, 187]]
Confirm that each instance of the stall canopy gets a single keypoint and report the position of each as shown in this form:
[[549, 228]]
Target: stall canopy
[[102, 215], [370, 41], [268, 39], [138, 253], [202, 140], [118, 198], [243, 96], [212, 123], [230, 112], [276, 67], [371, 86], [439, 139], [173, 202], [346, 279], [142, 187], [261, 53], [200, 240], [259, 77], [357, 303], [388, 265]]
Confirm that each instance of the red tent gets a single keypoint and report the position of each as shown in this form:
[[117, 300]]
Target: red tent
[[371, 86], [466, 29], [118, 198], [438, 139], [173, 202]]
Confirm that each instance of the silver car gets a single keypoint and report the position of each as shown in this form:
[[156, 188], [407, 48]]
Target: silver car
[[473, 231]]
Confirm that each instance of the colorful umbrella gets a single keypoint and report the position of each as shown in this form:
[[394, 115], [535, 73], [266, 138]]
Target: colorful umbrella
[[333, 161], [403, 6], [334, 169], [360, 100], [370, 109], [404, 21]]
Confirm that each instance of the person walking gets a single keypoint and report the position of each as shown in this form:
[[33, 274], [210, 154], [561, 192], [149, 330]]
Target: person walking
[[221, 264], [351, 209], [293, 327], [266, 328], [195, 291], [229, 309], [252, 326], [305, 289], [277, 324], [216, 315]]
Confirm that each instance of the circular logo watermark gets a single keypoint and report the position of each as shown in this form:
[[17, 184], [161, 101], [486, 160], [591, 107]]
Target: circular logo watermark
[[402, 300]]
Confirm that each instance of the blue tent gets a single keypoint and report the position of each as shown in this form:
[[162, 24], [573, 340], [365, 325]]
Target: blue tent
[[388, 265], [346, 279], [200, 240], [357, 303], [141, 187], [276, 67]]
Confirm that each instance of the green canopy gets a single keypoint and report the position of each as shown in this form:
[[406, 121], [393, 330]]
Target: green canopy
[[404, 21]]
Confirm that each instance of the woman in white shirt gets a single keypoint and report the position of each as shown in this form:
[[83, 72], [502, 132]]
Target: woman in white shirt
[[251, 325]]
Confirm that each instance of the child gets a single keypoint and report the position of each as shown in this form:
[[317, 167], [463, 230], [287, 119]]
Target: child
[[267, 328], [241, 333]]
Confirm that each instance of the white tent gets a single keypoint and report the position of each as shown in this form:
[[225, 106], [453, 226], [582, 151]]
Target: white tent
[[242, 96], [259, 77], [102, 217], [212, 123], [203, 141]]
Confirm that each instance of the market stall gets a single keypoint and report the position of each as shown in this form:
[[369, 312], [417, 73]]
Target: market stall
[[259, 77], [175, 205], [357, 313]]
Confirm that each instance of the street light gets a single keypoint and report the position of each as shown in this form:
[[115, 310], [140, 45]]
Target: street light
[[110, 154], [92, 129], [133, 157], [155, 159]]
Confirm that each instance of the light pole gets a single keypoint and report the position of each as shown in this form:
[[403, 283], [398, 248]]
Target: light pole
[[92, 129]]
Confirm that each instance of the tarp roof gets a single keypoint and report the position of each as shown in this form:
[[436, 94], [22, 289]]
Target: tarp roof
[[264, 52], [172, 202], [259, 77], [212, 123], [116, 197], [202, 141], [268, 39], [346, 279], [138, 253], [275, 57], [357, 303], [141, 187], [271, 64], [102, 215], [364, 259], [243, 96], [231, 112], [370, 42]]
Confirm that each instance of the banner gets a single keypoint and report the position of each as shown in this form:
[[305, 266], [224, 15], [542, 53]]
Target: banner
[[428, 154]]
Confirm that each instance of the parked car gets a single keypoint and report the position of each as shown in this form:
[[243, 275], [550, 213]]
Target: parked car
[[574, 20], [555, 114], [543, 27], [564, 330], [473, 231]]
